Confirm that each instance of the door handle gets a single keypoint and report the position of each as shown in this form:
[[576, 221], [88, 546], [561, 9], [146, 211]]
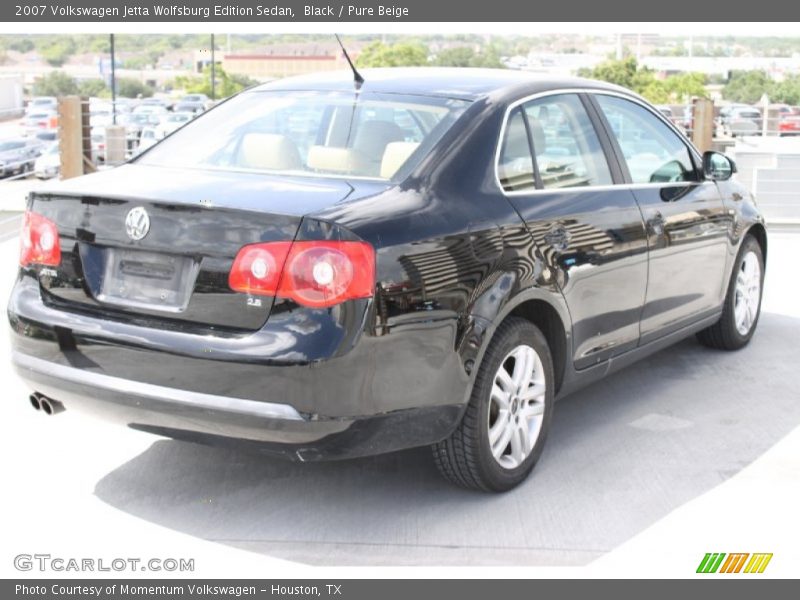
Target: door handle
[[558, 237], [656, 224]]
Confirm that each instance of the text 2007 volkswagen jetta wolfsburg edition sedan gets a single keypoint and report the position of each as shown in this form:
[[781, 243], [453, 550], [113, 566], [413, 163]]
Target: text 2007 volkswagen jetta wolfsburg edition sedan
[[326, 270]]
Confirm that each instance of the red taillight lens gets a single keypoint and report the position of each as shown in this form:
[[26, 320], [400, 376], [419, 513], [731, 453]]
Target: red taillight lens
[[257, 268], [38, 241], [318, 274]]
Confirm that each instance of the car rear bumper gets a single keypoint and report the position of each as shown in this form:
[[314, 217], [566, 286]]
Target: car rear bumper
[[378, 396]]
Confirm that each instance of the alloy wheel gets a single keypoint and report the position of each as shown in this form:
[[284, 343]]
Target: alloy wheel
[[516, 407], [748, 293]]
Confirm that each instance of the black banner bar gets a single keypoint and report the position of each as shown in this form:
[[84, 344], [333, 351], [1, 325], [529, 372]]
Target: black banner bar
[[464, 11]]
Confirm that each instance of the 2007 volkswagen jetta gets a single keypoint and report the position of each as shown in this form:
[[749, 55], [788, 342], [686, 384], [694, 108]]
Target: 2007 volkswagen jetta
[[326, 270]]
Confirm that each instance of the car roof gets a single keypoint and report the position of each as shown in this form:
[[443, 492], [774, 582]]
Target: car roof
[[463, 83]]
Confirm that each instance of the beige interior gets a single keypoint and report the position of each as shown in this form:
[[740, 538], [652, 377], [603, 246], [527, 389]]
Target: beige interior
[[331, 159], [394, 156], [269, 151]]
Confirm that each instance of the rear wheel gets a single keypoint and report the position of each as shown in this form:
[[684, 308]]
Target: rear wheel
[[505, 425], [742, 303]]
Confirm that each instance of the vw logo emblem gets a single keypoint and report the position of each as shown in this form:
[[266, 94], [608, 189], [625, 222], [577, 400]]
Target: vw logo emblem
[[137, 223]]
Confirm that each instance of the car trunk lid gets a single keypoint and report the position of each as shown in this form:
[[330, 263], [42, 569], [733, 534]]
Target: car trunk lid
[[157, 245]]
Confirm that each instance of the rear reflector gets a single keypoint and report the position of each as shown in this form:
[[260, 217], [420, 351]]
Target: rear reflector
[[38, 241], [317, 274]]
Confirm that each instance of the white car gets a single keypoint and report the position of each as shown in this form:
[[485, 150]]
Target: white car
[[171, 122], [149, 137], [41, 104], [48, 165]]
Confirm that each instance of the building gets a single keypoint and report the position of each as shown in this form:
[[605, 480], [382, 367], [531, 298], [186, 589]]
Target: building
[[285, 60], [11, 96]]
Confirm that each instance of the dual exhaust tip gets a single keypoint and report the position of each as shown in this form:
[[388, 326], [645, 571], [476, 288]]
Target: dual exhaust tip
[[47, 405]]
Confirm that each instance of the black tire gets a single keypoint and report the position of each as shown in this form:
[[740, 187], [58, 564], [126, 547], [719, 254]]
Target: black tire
[[724, 334], [465, 458]]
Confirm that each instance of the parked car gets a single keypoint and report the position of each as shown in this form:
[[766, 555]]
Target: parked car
[[98, 145], [42, 104], [197, 98], [35, 122], [173, 121], [153, 110], [17, 155], [742, 120], [422, 263], [149, 137], [48, 164], [789, 125], [185, 106], [46, 135]]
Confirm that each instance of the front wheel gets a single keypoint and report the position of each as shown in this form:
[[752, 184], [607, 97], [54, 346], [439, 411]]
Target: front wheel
[[503, 430], [742, 305]]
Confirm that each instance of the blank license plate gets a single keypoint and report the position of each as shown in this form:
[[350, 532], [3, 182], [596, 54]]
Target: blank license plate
[[147, 279]]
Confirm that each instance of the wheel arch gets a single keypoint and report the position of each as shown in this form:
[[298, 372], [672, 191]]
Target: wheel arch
[[545, 309], [759, 232]]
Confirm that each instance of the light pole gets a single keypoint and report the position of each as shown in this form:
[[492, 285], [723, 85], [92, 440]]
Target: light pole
[[113, 83], [213, 71]]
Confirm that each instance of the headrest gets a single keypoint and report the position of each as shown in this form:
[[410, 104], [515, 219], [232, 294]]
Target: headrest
[[372, 137], [330, 159], [268, 151], [395, 155]]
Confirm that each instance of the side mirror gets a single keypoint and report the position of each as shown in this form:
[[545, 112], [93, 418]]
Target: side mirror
[[717, 166]]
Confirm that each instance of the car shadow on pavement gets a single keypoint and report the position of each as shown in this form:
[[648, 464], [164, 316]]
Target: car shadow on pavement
[[622, 454]]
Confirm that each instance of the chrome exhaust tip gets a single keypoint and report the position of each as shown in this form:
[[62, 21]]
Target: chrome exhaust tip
[[34, 400], [50, 406]]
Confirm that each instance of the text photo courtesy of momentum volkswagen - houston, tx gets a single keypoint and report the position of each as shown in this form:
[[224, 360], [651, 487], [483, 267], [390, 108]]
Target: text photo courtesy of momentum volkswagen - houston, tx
[[313, 295]]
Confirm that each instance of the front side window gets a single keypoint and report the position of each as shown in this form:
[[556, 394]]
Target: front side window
[[653, 152], [311, 133]]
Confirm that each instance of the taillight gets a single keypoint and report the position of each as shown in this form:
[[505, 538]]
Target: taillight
[[257, 268], [318, 274], [38, 241]]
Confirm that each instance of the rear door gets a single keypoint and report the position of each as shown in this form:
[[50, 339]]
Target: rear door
[[589, 230], [684, 215]]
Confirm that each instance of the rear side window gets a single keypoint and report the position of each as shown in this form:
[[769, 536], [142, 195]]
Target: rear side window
[[551, 142], [567, 150], [653, 152], [515, 165]]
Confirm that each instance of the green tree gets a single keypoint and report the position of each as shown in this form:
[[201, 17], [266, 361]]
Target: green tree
[[626, 73], [55, 83], [787, 91], [465, 56], [227, 84], [403, 54], [21, 45], [58, 52], [93, 88], [629, 74], [747, 86], [133, 88], [685, 86]]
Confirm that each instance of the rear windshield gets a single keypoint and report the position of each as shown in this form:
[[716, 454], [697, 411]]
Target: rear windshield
[[311, 133]]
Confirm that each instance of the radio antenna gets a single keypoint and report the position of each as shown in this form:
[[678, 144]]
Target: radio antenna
[[357, 78]]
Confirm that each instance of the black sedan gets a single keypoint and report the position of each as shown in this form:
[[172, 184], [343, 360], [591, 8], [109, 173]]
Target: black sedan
[[323, 269]]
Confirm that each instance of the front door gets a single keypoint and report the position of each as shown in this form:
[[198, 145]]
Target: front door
[[683, 213]]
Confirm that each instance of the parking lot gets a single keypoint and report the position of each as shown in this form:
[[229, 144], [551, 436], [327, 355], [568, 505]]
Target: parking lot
[[656, 460]]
